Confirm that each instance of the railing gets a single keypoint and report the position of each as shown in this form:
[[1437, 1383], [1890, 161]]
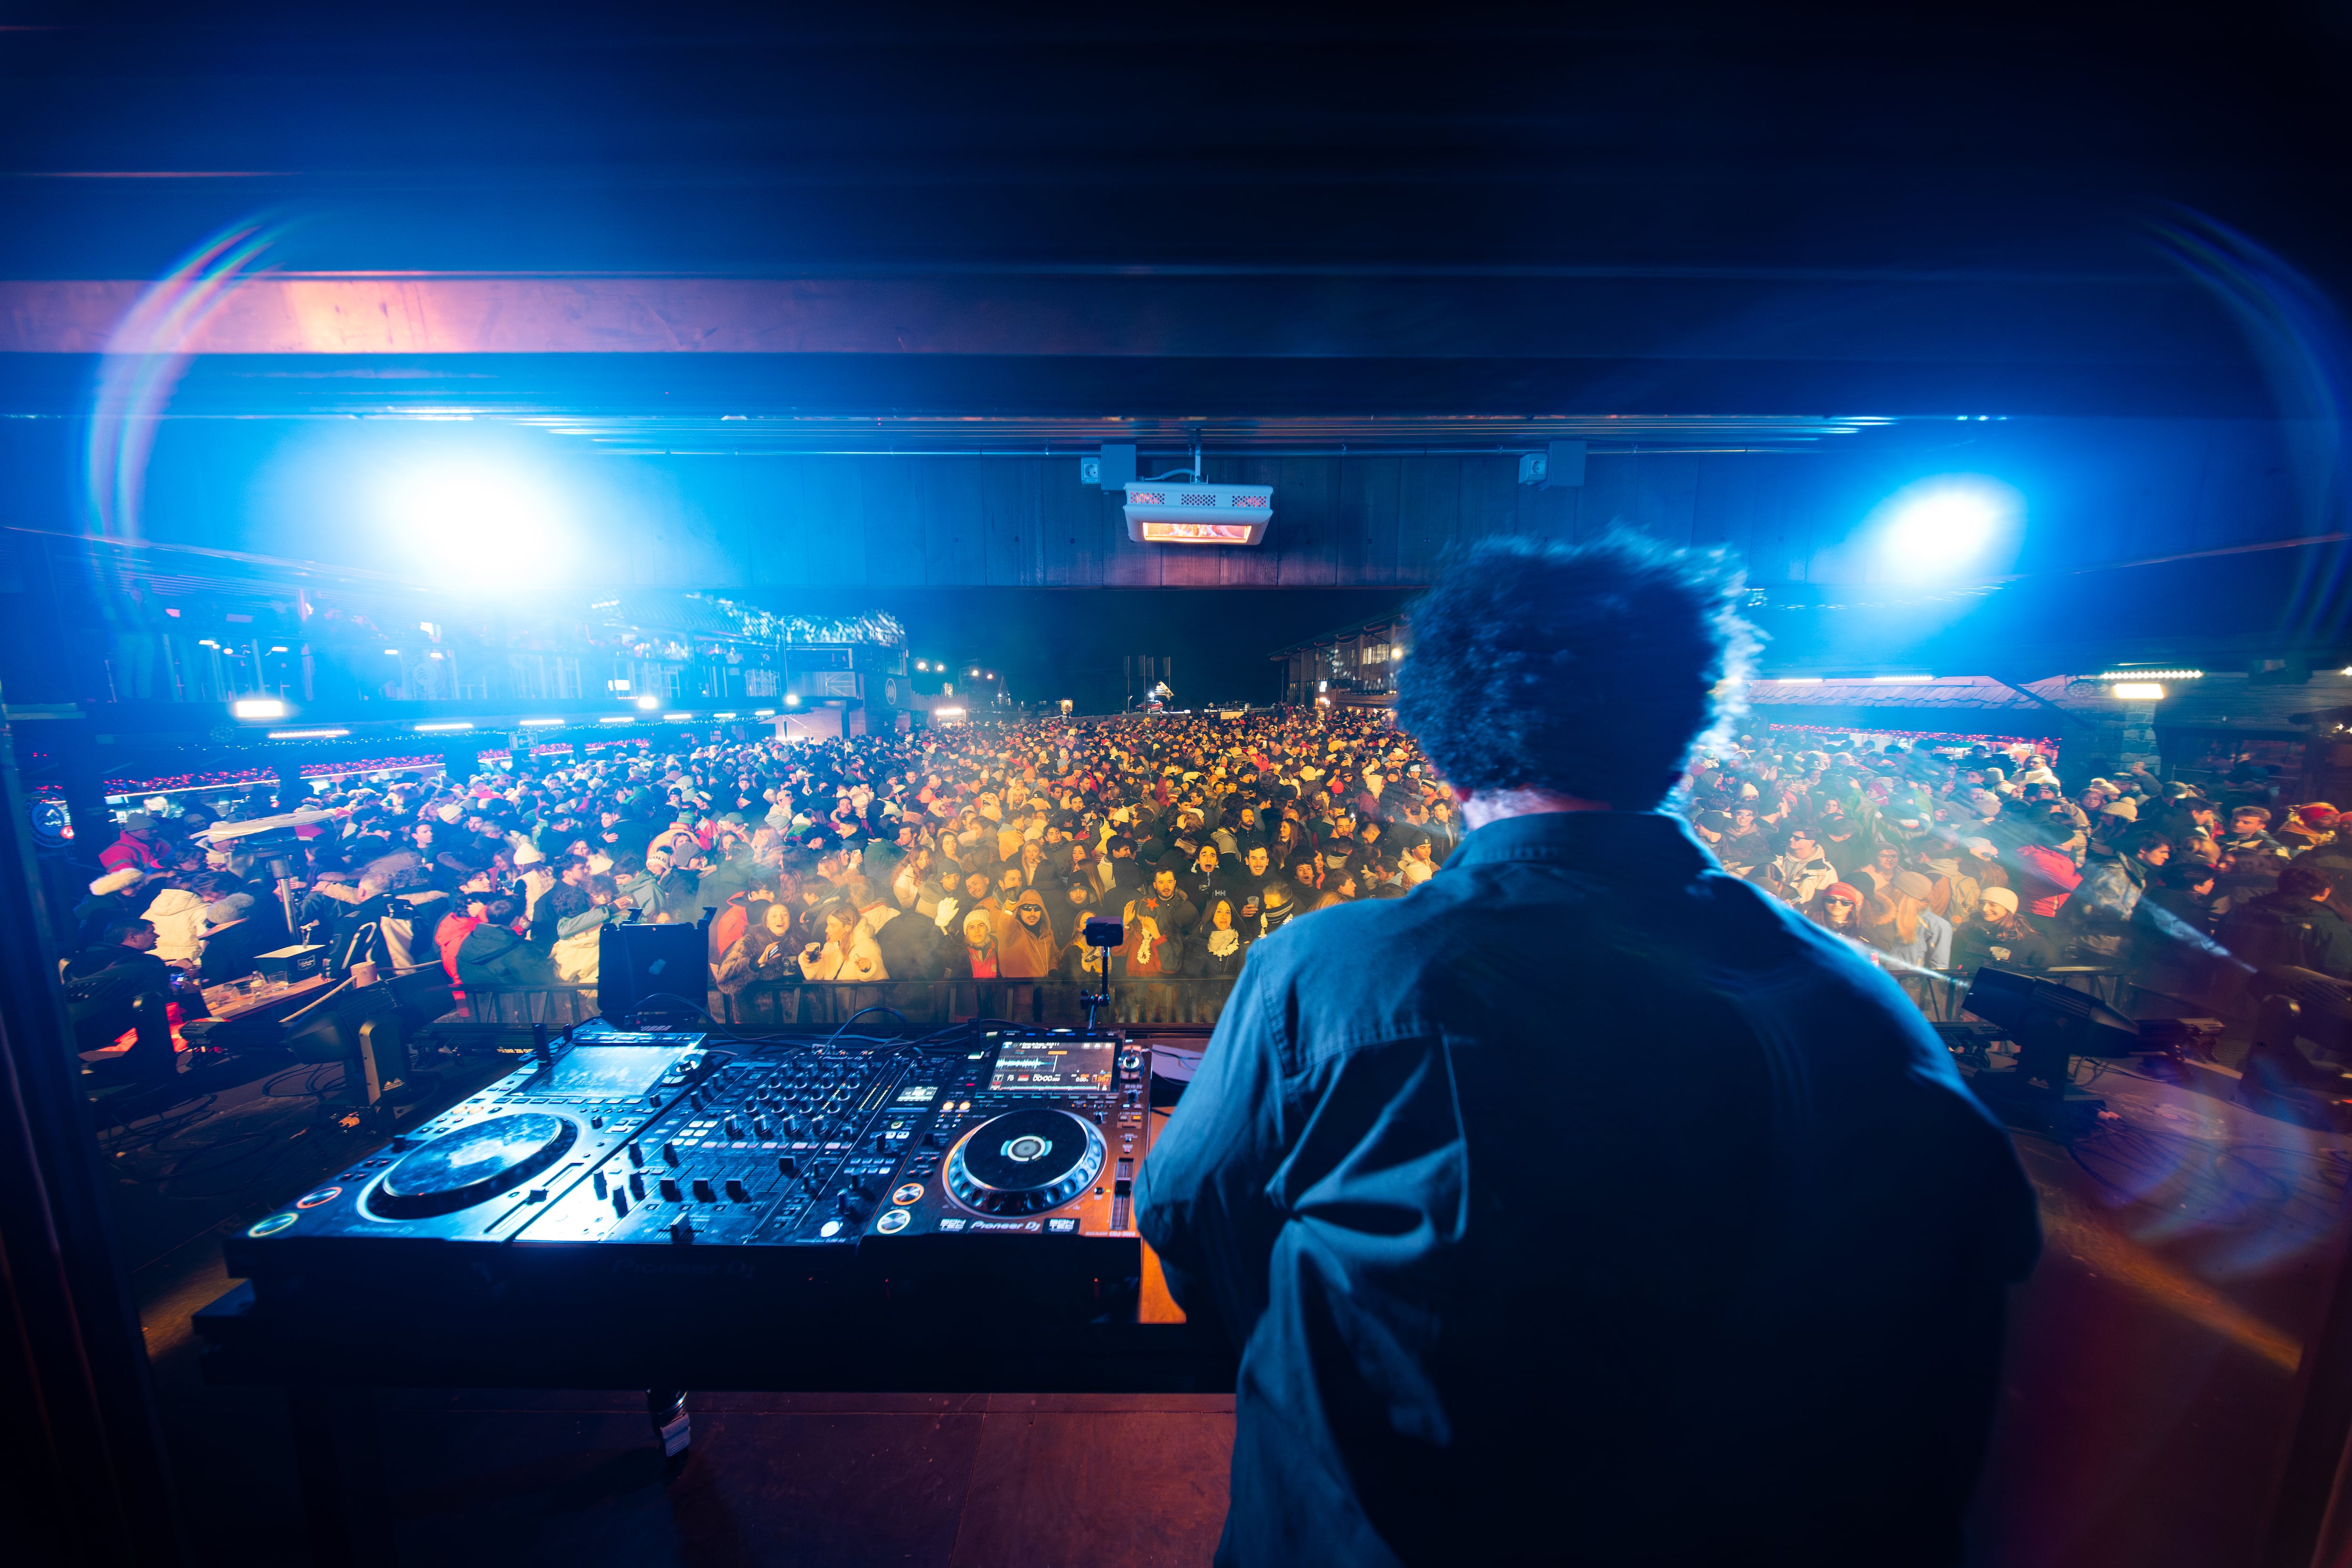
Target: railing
[[815, 1004], [1940, 996]]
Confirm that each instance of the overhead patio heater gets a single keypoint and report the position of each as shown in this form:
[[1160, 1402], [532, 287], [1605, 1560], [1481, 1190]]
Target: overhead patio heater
[[1177, 510]]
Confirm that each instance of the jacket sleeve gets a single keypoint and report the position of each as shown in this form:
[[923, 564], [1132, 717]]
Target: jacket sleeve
[[1203, 1198], [586, 920]]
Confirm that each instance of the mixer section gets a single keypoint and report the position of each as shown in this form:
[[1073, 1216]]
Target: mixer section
[[785, 1146]]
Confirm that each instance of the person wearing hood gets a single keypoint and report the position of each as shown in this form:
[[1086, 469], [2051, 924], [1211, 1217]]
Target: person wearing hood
[[1070, 910], [763, 952], [1027, 948], [178, 916], [1275, 907]]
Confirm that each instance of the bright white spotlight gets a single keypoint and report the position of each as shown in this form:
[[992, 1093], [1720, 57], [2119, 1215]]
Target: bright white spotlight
[[475, 520], [1946, 525]]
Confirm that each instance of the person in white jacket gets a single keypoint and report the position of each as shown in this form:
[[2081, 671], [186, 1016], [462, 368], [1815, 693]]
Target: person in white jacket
[[178, 916], [848, 952]]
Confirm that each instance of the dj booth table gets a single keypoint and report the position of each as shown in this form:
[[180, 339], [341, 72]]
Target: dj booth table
[[775, 1217], [330, 1372]]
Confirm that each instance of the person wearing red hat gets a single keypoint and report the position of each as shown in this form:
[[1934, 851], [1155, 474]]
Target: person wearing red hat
[[1837, 908]]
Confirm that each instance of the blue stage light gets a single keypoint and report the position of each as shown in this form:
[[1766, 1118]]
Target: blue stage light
[[1942, 526], [475, 521]]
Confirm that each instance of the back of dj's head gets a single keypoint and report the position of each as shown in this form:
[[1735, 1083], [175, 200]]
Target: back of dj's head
[[1587, 670]]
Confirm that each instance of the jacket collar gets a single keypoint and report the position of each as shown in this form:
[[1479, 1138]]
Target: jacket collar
[[1646, 842]]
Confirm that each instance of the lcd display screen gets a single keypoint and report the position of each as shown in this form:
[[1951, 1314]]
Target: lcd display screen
[[629, 1070], [1053, 1066]]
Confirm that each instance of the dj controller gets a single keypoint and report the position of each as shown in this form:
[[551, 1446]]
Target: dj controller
[[705, 1183]]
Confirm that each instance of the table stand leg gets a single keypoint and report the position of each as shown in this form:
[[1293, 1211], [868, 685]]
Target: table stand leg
[[339, 1463]]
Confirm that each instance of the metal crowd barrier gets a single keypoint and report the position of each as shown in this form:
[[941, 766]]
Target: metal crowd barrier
[[1941, 994], [502, 1010], [815, 1004]]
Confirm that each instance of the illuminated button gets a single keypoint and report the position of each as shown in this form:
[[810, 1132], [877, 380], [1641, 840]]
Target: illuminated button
[[908, 1192], [893, 1222]]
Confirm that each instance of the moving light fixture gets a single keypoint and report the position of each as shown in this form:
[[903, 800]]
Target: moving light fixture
[[258, 708], [2137, 691], [649, 701]]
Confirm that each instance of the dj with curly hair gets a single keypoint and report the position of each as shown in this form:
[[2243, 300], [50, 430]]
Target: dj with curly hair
[[1587, 1195]]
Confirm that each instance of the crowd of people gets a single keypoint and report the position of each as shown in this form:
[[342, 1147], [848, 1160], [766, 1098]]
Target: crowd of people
[[980, 853], [945, 853], [1951, 858]]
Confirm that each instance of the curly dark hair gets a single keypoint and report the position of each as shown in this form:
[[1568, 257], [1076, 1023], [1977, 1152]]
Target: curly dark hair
[[1588, 670]]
